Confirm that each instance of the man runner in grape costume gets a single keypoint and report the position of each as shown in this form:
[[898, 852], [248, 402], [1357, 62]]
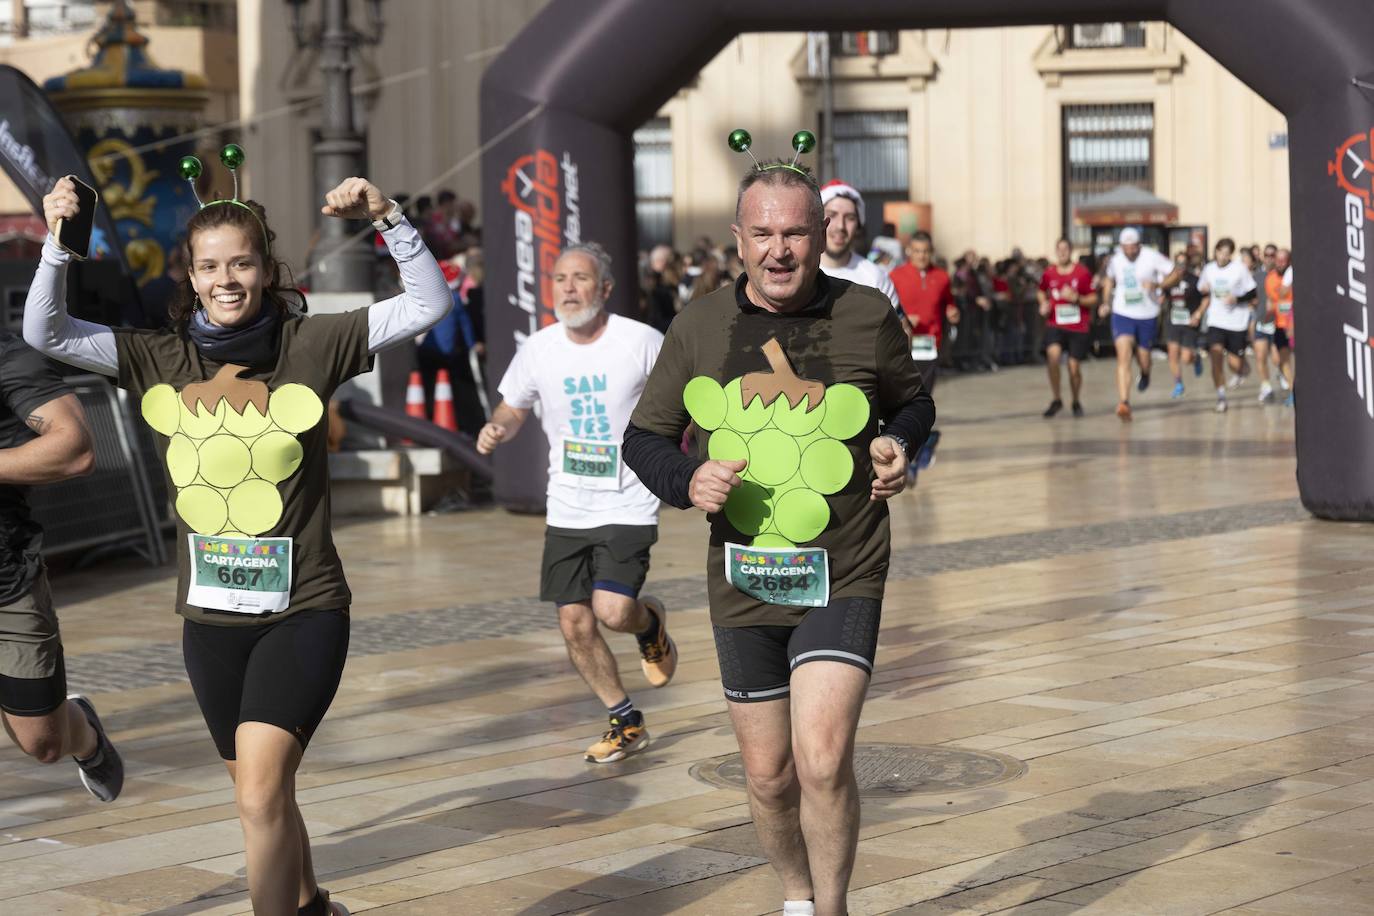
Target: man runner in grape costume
[[808, 407], [235, 391]]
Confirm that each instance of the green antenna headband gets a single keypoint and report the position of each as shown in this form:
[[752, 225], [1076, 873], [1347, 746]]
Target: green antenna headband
[[803, 141], [231, 157]]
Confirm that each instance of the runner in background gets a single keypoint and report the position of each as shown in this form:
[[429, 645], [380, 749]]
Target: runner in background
[[1130, 293], [585, 373], [1066, 296], [927, 302], [1280, 285], [1228, 289], [1184, 300]]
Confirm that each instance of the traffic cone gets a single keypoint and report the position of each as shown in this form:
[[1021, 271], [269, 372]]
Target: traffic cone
[[415, 400], [443, 402]]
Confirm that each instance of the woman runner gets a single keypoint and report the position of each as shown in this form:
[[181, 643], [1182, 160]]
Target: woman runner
[[235, 390]]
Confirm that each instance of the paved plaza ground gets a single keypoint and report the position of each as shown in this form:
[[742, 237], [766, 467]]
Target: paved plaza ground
[[1178, 660]]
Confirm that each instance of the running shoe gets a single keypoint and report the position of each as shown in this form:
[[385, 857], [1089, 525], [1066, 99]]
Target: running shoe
[[1077, 409], [1178, 390], [331, 907], [925, 455], [1197, 367], [1283, 382], [1123, 410], [1055, 406], [103, 773], [1221, 405], [1266, 393], [1235, 382], [658, 656], [621, 739], [1288, 401], [1144, 382]]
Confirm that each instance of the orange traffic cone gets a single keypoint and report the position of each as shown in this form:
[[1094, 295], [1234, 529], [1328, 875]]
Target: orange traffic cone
[[443, 403], [415, 400]]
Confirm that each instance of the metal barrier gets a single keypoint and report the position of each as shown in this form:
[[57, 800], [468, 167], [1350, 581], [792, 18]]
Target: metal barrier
[[122, 503]]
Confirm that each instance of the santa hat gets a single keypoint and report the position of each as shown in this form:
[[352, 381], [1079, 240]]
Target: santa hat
[[837, 188]]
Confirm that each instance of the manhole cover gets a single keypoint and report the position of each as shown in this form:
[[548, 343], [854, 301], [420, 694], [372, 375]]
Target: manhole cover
[[894, 769]]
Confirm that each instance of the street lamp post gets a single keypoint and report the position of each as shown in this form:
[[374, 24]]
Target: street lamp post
[[337, 266]]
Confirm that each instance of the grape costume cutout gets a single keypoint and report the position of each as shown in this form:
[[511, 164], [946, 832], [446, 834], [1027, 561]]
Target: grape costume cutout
[[791, 431], [232, 442]]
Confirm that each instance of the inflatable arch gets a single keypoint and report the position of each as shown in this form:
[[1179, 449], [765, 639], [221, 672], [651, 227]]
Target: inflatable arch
[[560, 103]]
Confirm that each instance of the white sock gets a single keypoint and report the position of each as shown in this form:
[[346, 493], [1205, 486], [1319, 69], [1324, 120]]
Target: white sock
[[1221, 392], [798, 908]]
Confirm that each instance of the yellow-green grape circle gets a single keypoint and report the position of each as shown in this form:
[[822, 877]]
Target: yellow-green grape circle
[[232, 534], [773, 457], [202, 509], [747, 508], [727, 445], [295, 408], [771, 540], [254, 506], [802, 514], [744, 419], [826, 466], [276, 455], [201, 422], [797, 421], [705, 402], [773, 495], [224, 460], [183, 464], [160, 409], [846, 411], [248, 424]]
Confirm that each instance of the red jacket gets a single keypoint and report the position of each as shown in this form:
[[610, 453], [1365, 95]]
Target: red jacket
[[924, 297]]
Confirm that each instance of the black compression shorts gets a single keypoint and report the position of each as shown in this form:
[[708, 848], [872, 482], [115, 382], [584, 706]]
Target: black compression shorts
[[756, 663], [283, 673]]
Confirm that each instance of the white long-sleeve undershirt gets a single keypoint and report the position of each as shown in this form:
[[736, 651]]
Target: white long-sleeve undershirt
[[91, 346]]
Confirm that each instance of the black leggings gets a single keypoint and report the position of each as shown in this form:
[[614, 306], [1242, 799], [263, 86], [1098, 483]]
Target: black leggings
[[283, 673]]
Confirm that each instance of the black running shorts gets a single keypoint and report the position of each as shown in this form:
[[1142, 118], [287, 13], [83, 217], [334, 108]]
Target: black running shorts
[[756, 663], [1185, 335], [1076, 343], [1231, 341], [578, 561], [283, 673]]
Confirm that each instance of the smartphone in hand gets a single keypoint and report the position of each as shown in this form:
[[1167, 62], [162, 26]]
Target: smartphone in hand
[[74, 234]]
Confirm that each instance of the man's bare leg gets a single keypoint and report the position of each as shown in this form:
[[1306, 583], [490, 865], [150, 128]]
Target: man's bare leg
[[764, 733], [827, 698]]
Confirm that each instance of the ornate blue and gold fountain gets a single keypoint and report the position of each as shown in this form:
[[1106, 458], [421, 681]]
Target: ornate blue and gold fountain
[[135, 121]]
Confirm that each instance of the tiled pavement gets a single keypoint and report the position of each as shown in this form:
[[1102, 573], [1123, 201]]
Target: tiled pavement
[[1143, 615]]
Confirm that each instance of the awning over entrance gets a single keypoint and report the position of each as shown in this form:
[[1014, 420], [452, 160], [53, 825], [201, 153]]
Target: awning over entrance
[[1125, 205]]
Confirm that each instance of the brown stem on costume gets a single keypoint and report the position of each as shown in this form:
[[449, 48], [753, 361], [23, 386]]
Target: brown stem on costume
[[226, 384], [782, 380]]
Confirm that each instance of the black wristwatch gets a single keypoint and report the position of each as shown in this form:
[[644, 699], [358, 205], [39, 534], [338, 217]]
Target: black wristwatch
[[906, 448]]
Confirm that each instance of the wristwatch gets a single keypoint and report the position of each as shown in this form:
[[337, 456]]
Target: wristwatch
[[391, 220], [906, 449]]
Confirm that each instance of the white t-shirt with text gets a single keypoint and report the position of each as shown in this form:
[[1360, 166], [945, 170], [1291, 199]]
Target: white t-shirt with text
[[586, 393], [1129, 296], [865, 272], [1221, 283]]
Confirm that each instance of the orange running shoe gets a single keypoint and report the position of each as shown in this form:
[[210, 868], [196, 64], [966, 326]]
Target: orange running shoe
[[621, 739], [658, 657], [1123, 410]]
